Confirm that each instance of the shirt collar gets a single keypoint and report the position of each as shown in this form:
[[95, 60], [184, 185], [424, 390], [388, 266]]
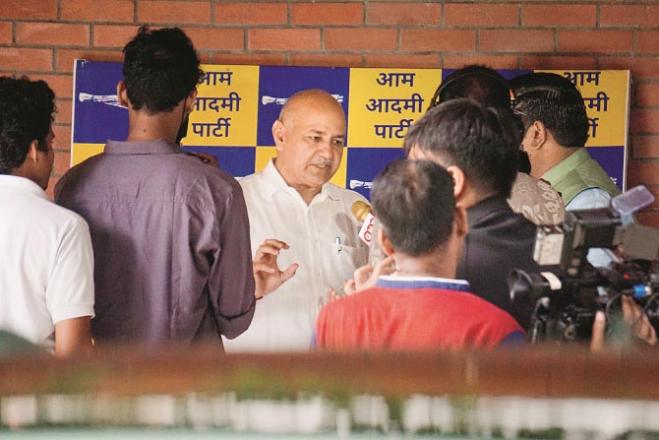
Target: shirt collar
[[275, 182], [416, 282], [486, 207], [158, 146], [22, 184], [569, 163]]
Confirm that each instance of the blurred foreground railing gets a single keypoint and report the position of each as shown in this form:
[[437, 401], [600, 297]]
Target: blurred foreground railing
[[504, 393]]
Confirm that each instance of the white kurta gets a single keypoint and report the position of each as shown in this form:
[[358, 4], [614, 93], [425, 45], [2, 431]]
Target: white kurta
[[323, 239]]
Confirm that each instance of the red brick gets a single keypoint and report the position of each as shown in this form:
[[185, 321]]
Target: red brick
[[457, 14], [439, 40], [648, 218], [62, 85], [61, 163], [64, 57], [331, 60], [403, 13], [646, 94], [361, 39], [644, 121], [254, 13], [641, 67], [176, 12], [113, 36], [20, 60], [5, 33], [283, 39], [643, 173], [327, 13], [559, 15], [52, 34], [629, 15], [205, 56], [63, 115], [62, 137], [217, 38], [516, 41], [558, 62], [404, 61], [272, 59], [29, 9], [645, 146], [94, 10], [494, 61], [647, 42], [654, 189], [595, 41]]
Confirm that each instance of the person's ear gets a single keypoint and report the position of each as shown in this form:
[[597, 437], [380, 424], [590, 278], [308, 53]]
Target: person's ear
[[122, 94], [190, 101], [33, 151], [279, 134], [460, 221], [537, 135], [459, 180], [385, 243]]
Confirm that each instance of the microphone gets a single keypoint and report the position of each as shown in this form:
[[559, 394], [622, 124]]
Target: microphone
[[362, 212], [368, 232]]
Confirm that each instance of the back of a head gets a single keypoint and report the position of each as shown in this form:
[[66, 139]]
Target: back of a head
[[161, 68], [554, 101], [26, 114], [475, 138], [479, 83], [415, 204]]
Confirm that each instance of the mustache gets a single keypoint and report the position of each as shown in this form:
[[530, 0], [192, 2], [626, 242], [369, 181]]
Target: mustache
[[322, 162]]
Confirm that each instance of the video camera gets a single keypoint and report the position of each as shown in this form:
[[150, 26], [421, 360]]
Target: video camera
[[568, 290]]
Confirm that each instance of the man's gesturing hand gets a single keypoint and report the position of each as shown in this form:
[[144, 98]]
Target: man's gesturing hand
[[267, 274]]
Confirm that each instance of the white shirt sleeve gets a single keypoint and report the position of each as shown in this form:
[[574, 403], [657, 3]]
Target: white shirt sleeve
[[70, 289]]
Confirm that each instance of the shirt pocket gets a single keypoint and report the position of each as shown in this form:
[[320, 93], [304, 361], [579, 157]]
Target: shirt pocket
[[341, 260]]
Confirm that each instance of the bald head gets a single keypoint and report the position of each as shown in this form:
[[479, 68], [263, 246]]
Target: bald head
[[304, 100], [309, 136]]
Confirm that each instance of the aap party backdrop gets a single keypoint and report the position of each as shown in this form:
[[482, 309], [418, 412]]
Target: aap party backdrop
[[237, 105]]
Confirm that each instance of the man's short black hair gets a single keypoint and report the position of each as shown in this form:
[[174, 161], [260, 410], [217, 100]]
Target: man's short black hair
[[415, 204], [554, 101], [161, 68], [477, 82], [477, 139], [26, 114]]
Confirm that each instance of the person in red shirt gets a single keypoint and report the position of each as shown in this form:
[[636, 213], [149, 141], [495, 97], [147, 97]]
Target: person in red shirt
[[420, 306]]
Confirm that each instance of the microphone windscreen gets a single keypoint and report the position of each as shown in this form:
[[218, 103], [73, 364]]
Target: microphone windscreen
[[360, 210]]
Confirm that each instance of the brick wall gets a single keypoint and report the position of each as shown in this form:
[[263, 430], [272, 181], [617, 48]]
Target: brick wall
[[41, 38]]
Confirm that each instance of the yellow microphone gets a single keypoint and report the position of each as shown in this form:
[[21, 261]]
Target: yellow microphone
[[368, 231], [361, 210]]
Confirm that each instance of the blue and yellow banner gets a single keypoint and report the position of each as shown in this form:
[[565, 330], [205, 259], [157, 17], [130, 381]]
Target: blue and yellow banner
[[237, 105]]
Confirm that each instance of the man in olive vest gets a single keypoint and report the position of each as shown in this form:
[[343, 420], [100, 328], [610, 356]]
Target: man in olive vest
[[556, 129]]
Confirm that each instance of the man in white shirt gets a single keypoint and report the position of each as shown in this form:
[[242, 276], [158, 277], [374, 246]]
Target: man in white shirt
[[292, 200], [46, 262]]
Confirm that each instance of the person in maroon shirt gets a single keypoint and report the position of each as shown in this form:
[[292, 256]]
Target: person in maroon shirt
[[170, 233]]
